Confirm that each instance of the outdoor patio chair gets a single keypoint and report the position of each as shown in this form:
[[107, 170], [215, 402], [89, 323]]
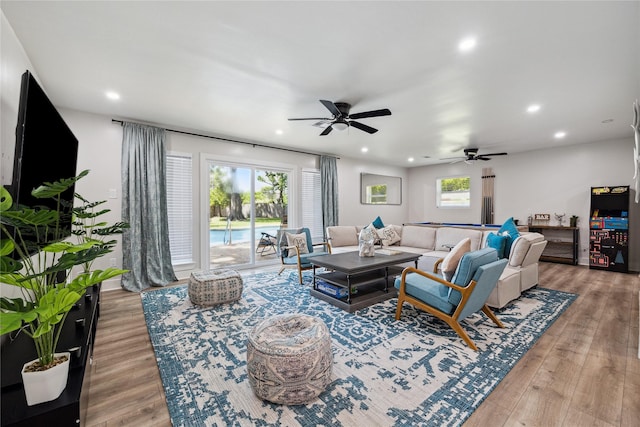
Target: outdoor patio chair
[[476, 276], [266, 244], [297, 255]]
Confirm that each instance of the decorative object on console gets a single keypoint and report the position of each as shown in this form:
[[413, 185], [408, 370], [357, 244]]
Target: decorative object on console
[[559, 218], [541, 219], [573, 221], [46, 298]]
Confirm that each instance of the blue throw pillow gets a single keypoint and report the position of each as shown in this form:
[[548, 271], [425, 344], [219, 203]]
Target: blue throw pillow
[[377, 223], [497, 242], [509, 230]]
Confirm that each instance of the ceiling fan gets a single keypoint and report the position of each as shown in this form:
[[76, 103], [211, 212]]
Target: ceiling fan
[[471, 155], [342, 119]]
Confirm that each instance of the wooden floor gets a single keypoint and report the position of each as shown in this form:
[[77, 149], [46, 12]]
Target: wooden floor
[[584, 371]]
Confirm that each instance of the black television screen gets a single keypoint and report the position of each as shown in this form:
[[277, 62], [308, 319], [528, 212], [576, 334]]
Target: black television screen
[[46, 150]]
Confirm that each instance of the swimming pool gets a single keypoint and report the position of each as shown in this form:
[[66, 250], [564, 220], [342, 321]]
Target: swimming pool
[[238, 235]]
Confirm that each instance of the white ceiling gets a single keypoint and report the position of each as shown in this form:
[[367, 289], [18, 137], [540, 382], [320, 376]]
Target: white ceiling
[[240, 69]]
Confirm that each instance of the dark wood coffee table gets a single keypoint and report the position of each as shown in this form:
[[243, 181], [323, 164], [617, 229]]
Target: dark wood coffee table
[[365, 279]]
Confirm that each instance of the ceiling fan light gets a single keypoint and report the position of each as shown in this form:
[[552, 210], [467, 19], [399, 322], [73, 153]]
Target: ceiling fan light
[[340, 125]]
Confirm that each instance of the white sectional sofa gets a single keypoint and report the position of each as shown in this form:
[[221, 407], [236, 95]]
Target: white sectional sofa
[[434, 242]]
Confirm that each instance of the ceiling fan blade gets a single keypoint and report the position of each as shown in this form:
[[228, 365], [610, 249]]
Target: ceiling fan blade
[[458, 160], [331, 107], [323, 123], [481, 158], [312, 118], [327, 131], [495, 154], [365, 128], [373, 113], [455, 158]]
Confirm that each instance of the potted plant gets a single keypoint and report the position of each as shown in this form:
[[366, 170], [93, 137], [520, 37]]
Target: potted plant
[[87, 228], [32, 256]]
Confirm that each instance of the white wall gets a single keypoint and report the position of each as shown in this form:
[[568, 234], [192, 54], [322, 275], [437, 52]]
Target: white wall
[[543, 181], [14, 62], [351, 211]]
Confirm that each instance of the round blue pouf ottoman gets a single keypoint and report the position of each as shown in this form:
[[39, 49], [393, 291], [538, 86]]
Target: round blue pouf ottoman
[[289, 358]]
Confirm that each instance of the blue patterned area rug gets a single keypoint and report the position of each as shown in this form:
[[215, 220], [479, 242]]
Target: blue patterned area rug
[[412, 372]]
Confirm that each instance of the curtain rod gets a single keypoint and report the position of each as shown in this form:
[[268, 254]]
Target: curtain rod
[[235, 141]]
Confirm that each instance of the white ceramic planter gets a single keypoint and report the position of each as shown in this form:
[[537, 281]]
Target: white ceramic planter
[[46, 385]]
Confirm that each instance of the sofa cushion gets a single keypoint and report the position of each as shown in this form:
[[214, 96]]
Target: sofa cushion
[[427, 290], [521, 247], [451, 261], [467, 269], [377, 223], [343, 235], [418, 237], [510, 230], [388, 235], [447, 237], [498, 243]]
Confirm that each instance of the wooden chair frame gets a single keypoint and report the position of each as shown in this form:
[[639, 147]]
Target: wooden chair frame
[[451, 320], [299, 264]]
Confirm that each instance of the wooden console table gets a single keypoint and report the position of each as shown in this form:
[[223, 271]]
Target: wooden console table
[[562, 243]]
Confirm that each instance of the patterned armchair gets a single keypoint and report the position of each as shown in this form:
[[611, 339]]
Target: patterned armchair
[[474, 279], [295, 248]]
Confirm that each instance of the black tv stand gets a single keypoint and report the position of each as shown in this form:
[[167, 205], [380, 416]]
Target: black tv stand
[[70, 408]]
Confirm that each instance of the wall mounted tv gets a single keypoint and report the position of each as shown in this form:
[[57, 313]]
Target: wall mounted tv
[[46, 151]]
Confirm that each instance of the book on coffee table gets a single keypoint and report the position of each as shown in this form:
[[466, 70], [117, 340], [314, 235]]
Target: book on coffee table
[[387, 252]]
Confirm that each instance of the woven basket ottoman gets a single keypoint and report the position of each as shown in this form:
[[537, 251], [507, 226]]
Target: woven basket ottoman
[[212, 287], [289, 358]]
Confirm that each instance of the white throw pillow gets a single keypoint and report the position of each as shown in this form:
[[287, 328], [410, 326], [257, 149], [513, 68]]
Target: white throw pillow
[[388, 235], [451, 261], [299, 240]]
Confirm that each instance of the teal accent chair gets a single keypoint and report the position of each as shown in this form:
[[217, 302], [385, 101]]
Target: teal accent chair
[[291, 256], [476, 276]]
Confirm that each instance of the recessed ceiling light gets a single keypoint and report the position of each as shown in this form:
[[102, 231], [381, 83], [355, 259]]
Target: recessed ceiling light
[[279, 132], [410, 159], [533, 108], [114, 96], [467, 44], [559, 135], [364, 149]]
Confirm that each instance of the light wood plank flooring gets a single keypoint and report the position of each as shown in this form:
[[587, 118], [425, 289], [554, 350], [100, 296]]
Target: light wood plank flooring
[[584, 371]]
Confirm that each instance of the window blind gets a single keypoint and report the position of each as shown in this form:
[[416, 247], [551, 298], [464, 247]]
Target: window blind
[[180, 207], [312, 204]]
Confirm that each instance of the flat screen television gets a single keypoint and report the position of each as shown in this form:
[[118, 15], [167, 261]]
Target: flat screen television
[[46, 151]]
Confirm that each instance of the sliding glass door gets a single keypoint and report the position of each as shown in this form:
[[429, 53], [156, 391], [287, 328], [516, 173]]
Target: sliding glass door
[[247, 206]]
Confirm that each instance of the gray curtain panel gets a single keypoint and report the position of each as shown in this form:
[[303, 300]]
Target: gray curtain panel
[[145, 245], [329, 189]]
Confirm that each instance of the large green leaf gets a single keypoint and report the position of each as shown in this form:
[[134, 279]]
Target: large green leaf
[[52, 307], [31, 217], [54, 189], [9, 265], [84, 280], [6, 247], [6, 201], [13, 312]]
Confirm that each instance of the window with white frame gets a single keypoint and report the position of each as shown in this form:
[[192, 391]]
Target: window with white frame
[[180, 207], [453, 192], [312, 204]]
